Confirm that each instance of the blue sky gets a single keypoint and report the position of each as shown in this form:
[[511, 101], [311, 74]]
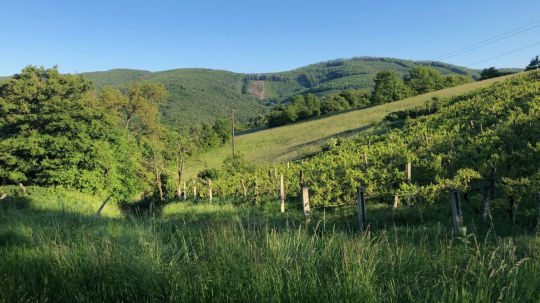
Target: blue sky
[[256, 36]]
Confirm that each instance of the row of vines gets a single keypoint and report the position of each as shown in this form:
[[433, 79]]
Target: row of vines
[[485, 143]]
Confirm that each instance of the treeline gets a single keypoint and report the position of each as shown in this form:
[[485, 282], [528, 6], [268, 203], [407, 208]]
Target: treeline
[[58, 130], [388, 87], [485, 144]]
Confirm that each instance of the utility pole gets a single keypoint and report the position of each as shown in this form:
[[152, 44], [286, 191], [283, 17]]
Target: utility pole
[[232, 129]]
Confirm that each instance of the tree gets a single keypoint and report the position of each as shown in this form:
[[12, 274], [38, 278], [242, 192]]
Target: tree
[[488, 73], [423, 79], [222, 127], [142, 103], [534, 64], [388, 88], [53, 132]]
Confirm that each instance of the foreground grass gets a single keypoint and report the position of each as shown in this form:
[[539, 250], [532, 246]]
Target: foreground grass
[[295, 141], [203, 252]]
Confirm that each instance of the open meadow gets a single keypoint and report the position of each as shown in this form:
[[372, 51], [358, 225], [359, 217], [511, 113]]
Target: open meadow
[[52, 248]]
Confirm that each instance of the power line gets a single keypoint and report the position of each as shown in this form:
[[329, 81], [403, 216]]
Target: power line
[[491, 40], [504, 54]]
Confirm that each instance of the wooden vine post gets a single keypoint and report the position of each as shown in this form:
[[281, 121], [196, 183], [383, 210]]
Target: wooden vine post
[[256, 192], [538, 207], [485, 203], [101, 207], [244, 187], [194, 190], [409, 179], [305, 201], [22, 187], [457, 217], [282, 194], [305, 196], [361, 203], [396, 201], [210, 190]]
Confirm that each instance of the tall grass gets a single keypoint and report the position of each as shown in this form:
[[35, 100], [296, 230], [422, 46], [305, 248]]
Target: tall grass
[[202, 252]]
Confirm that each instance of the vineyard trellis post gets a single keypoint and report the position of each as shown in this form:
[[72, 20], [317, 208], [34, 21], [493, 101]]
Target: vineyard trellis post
[[409, 179], [457, 217], [244, 189], [538, 208], [102, 206], [210, 190], [282, 194], [485, 203], [185, 191], [194, 190], [361, 203], [256, 192], [305, 201]]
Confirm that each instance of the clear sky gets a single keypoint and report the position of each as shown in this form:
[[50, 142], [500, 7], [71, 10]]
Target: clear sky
[[257, 36]]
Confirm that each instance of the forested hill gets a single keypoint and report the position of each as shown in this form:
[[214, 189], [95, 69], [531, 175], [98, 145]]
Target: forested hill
[[202, 95]]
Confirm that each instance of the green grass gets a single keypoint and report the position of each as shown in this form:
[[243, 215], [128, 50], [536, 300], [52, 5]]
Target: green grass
[[226, 252], [295, 141]]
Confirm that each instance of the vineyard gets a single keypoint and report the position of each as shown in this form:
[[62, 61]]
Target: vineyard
[[484, 144], [295, 141]]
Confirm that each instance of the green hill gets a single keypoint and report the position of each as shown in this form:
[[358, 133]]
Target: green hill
[[202, 95], [298, 140]]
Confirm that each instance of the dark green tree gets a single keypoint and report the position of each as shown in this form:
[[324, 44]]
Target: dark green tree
[[54, 132], [388, 88], [534, 64]]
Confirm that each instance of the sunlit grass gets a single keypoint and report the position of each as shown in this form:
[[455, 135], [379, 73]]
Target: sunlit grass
[[196, 251]]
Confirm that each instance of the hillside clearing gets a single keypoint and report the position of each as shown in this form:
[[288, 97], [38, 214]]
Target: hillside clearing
[[295, 141]]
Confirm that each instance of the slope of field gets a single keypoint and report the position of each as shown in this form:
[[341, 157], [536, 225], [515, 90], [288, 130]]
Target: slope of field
[[202, 95], [298, 140]]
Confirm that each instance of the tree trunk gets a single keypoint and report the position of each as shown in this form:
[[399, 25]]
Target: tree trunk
[[159, 185], [396, 201], [457, 218], [513, 209], [485, 203], [244, 189], [256, 193], [180, 171], [282, 194]]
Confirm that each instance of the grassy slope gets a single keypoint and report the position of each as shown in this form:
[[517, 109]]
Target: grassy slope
[[298, 140]]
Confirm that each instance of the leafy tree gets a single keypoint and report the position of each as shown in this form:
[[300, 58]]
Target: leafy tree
[[488, 73], [53, 132], [534, 64], [423, 79], [388, 88], [334, 103], [141, 104], [222, 127]]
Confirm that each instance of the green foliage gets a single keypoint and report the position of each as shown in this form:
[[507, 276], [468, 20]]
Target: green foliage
[[534, 64], [492, 72], [299, 140], [491, 134], [388, 88], [202, 95], [54, 133]]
